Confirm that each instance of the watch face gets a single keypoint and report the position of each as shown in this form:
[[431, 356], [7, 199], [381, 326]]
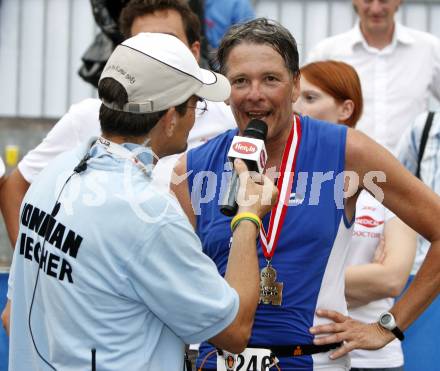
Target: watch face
[[385, 319]]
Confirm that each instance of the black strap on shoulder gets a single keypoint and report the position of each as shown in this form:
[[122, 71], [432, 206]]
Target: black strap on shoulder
[[423, 141], [187, 365]]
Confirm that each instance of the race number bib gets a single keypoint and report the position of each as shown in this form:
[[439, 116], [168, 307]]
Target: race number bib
[[252, 359]]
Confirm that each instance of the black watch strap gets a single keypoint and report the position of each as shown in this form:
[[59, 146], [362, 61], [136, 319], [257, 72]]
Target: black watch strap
[[398, 333]]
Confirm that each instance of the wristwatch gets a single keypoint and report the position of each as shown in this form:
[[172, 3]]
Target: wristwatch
[[387, 321]]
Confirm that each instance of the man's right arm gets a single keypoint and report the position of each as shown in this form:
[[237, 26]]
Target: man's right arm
[[11, 196], [18, 182], [6, 316], [76, 126], [401, 191]]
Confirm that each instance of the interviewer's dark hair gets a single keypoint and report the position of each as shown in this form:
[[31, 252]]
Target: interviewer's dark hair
[[125, 123], [139, 8], [261, 31]]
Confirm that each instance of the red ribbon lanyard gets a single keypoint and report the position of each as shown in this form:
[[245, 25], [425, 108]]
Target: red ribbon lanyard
[[269, 240]]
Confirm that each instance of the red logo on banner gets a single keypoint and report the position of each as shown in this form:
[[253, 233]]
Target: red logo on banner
[[368, 221], [245, 148]]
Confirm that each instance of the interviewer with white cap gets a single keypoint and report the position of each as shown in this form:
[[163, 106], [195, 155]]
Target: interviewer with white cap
[[107, 272]]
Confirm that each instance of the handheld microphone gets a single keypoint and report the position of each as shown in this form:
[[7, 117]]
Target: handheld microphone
[[251, 149]]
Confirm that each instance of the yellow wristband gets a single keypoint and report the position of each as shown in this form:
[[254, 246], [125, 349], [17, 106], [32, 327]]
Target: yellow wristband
[[245, 216]]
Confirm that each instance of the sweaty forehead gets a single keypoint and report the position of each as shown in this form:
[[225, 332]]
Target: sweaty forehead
[[247, 57], [246, 46], [252, 53]]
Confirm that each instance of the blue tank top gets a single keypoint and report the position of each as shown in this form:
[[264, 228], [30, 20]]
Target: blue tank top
[[311, 251]]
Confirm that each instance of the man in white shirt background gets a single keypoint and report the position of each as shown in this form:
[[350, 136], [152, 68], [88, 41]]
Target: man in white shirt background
[[399, 68]]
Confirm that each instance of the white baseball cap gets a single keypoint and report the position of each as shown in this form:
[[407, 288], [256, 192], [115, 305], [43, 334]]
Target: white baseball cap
[[158, 71]]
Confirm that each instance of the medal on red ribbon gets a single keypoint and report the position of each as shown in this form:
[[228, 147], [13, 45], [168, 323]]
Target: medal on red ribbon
[[271, 291]]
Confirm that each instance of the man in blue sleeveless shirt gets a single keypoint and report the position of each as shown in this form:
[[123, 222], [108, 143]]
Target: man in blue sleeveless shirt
[[107, 273], [302, 246]]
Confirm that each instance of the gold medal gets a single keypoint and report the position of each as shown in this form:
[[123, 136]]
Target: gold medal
[[271, 292]]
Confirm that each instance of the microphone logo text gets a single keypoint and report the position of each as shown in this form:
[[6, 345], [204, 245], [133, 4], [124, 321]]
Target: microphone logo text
[[245, 148]]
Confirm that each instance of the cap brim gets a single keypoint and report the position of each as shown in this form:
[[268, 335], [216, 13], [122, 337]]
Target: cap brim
[[216, 87]]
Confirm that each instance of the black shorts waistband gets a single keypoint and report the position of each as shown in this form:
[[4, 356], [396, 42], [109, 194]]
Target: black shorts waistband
[[298, 350]]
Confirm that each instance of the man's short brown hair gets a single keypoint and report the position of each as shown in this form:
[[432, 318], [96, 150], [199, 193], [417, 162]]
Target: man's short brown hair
[[139, 8]]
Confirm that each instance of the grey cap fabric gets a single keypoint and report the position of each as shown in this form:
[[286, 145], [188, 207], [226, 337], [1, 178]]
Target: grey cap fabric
[[158, 71]]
